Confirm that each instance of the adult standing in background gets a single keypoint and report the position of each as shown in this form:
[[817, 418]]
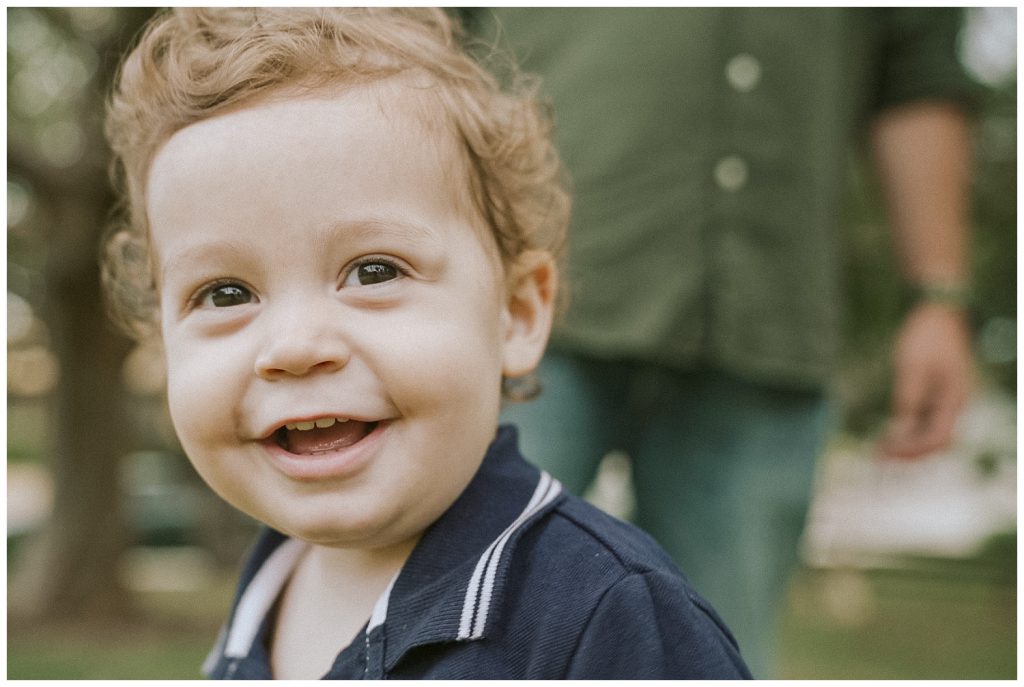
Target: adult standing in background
[[708, 150]]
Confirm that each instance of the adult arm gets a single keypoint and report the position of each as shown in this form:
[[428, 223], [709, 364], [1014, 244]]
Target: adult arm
[[922, 152]]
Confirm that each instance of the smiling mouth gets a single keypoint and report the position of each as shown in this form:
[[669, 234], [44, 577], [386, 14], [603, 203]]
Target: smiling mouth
[[322, 435]]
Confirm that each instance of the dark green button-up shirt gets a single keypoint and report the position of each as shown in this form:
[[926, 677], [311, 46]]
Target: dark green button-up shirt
[[708, 149]]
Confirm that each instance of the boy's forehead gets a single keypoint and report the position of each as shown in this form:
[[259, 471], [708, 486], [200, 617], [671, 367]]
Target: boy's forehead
[[399, 117], [396, 123], [412, 114]]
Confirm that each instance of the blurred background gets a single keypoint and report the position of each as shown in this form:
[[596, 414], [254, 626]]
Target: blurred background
[[121, 564]]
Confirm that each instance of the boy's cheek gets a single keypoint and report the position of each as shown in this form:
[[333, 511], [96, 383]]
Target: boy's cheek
[[459, 355], [196, 388]]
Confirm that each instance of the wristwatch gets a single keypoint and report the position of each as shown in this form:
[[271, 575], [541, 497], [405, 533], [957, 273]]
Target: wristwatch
[[952, 293]]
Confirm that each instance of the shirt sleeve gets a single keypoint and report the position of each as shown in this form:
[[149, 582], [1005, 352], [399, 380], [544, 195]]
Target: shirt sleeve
[[919, 58], [651, 626]]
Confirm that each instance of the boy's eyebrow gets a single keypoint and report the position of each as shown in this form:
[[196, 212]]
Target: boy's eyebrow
[[375, 228], [195, 252]]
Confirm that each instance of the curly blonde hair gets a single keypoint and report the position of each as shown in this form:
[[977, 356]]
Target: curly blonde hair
[[191, 64]]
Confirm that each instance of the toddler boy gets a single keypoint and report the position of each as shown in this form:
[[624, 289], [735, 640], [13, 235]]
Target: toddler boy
[[346, 236]]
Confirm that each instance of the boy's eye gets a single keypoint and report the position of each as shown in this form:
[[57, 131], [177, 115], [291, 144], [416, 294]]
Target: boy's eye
[[372, 272], [226, 296]]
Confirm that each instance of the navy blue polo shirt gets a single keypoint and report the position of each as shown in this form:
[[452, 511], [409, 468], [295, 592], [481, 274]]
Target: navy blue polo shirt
[[517, 580]]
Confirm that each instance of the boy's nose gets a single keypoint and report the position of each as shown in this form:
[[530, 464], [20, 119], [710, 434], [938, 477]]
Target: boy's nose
[[301, 344]]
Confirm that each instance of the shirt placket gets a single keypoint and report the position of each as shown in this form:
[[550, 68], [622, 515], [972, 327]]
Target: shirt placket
[[374, 666]]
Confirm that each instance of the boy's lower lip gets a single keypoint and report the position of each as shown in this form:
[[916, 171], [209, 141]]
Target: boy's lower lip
[[341, 463]]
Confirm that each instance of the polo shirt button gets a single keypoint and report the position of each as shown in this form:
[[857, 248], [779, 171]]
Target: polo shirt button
[[743, 72], [731, 173]]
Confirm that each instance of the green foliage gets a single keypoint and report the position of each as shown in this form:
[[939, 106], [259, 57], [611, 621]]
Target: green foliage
[[994, 254]]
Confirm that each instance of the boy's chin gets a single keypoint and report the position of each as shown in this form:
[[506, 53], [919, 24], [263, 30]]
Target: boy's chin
[[363, 535]]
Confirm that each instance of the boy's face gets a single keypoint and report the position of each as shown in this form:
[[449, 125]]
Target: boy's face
[[314, 268]]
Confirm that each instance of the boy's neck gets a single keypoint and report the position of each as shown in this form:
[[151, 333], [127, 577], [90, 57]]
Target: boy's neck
[[329, 597], [359, 564]]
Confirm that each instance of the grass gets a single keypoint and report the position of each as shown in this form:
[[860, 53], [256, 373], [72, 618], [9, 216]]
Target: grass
[[78, 654], [900, 625], [170, 646]]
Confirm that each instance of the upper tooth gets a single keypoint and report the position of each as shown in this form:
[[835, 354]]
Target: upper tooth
[[322, 423]]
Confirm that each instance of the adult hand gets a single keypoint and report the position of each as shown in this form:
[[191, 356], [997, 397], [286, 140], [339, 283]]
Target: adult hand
[[933, 377]]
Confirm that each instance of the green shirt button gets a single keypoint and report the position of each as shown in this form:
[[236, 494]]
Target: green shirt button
[[731, 173], [743, 72]]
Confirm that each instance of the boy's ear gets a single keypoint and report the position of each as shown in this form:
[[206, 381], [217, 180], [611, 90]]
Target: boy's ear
[[529, 311]]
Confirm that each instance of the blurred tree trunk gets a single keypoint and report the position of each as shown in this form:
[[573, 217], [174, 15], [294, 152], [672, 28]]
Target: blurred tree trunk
[[71, 570]]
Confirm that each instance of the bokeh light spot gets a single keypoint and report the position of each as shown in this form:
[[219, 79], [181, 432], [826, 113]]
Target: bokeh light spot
[[19, 318], [32, 371], [19, 203]]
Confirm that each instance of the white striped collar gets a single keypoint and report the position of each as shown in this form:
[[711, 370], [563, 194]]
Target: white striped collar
[[477, 603], [259, 596]]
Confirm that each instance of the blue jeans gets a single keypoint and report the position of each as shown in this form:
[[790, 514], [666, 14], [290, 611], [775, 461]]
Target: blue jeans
[[722, 471]]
